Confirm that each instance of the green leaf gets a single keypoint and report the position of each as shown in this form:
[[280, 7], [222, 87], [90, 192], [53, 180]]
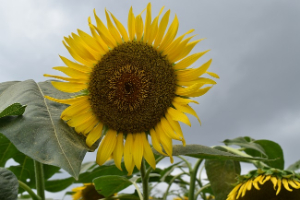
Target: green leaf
[[59, 184], [108, 185], [200, 151], [39, 132], [222, 176], [13, 109], [295, 166], [25, 170], [245, 142], [8, 185], [167, 171], [272, 150]]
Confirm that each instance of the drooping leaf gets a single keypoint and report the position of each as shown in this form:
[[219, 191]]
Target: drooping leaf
[[222, 176], [295, 166], [245, 142], [13, 109], [272, 151], [9, 185], [108, 185], [39, 132], [200, 151]]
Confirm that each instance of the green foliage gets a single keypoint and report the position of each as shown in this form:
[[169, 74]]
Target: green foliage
[[261, 148], [200, 151], [24, 171], [272, 151], [108, 185], [295, 166], [8, 185], [13, 109], [222, 176], [39, 132]]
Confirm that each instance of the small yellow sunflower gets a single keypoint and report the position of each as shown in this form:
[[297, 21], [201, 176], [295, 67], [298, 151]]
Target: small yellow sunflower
[[272, 184], [86, 192], [132, 84]]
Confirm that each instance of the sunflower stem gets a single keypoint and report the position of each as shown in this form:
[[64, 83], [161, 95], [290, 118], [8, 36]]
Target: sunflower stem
[[170, 183], [145, 180], [193, 174], [28, 189], [39, 179]]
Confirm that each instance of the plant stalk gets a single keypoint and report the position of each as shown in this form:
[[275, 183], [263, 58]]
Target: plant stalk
[[39, 179], [28, 189], [193, 174], [145, 180]]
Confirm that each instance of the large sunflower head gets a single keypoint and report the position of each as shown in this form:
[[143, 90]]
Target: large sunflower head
[[132, 84], [267, 184], [86, 192]]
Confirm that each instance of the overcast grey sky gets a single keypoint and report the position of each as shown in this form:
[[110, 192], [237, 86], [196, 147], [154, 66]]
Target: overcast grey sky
[[254, 46]]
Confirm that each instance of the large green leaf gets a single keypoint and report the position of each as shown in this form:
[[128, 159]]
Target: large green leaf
[[25, 168], [39, 132], [108, 185], [272, 150], [222, 176], [200, 151], [8, 185], [245, 142]]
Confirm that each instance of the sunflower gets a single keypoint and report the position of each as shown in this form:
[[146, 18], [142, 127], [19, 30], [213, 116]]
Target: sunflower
[[86, 192], [273, 184], [131, 85]]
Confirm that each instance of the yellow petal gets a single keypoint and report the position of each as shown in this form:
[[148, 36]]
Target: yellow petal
[[245, 188], [156, 142], [69, 101], [118, 152], [161, 29], [73, 80], [189, 60], [234, 191], [170, 35], [76, 109], [79, 119], [165, 141], [266, 179], [148, 154], [94, 135], [279, 186], [69, 87], [165, 126], [73, 72], [241, 190], [104, 32], [97, 37], [213, 74], [131, 24], [78, 57], [178, 116], [182, 49], [176, 127], [286, 185], [88, 126], [184, 101], [186, 109], [186, 91], [255, 183], [292, 183], [120, 27], [199, 92], [139, 27], [107, 146], [112, 29], [147, 23], [200, 80], [192, 74], [274, 181], [128, 159], [90, 41], [138, 150], [76, 66]]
